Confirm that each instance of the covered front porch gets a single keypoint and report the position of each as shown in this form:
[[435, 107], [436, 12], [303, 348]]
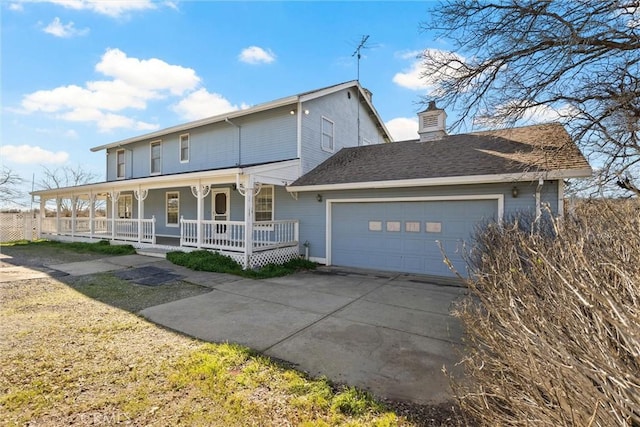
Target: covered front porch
[[230, 211]]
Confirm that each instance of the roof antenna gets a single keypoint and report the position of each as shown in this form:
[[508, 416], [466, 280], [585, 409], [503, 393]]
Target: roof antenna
[[361, 46]]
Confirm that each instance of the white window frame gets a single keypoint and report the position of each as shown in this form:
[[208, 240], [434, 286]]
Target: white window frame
[[124, 164], [157, 142], [255, 205], [188, 139], [166, 207], [124, 201], [323, 132]]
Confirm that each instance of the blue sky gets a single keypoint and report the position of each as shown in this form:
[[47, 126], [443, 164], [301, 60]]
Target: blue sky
[[80, 73]]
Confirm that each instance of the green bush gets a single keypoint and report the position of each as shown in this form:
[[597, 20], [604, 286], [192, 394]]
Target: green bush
[[553, 321], [218, 263]]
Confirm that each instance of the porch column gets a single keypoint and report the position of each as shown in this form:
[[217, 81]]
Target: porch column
[[140, 195], [58, 204], [43, 216], [200, 192], [114, 196], [92, 214], [74, 203], [249, 193]]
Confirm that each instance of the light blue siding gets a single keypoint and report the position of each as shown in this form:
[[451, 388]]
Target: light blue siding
[[342, 109], [312, 215], [262, 137]]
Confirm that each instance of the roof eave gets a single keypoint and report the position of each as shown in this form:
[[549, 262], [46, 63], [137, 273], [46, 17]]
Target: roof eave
[[455, 180]]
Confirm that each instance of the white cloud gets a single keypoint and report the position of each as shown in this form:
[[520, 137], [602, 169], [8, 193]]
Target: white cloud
[[403, 128], [134, 83], [28, 154], [151, 74], [418, 77], [16, 7], [531, 115], [58, 29], [201, 104], [112, 8], [256, 55], [106, 121]]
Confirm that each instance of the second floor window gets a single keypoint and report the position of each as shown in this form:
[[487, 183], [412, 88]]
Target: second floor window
[[184, 148], [120, 164], [156, 157], [327, 134]]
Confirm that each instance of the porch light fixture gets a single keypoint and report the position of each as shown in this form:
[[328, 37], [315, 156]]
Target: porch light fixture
[[319, 197], [306, 112], [515, 192], [292, 112]]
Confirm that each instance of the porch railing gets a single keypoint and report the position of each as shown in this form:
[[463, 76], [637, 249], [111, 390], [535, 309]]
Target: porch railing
[[125, 229], [230, 235]]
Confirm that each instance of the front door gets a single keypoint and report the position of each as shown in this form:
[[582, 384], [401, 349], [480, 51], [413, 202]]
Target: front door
[[220, 211]]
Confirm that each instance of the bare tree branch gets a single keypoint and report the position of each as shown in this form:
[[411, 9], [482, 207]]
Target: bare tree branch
[[9, 191], [580, 59]]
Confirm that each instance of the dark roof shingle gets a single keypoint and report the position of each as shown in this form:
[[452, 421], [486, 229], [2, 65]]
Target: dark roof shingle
[[536, 148]]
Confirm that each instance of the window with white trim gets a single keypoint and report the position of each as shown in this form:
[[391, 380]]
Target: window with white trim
[[156, 157], [327, 135], [125, 206], [173, 208], [120, 164], [263, 204], [184, 148]]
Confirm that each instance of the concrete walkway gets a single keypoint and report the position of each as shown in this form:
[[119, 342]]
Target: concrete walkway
[[390, 334]]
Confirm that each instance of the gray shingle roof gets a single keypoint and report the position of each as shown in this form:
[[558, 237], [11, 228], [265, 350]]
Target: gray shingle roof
[[536, 148]]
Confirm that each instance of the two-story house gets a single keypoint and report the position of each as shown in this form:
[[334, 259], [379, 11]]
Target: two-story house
[[317, 173]]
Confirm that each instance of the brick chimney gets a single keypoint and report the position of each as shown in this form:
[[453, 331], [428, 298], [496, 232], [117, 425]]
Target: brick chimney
[[432, 123]]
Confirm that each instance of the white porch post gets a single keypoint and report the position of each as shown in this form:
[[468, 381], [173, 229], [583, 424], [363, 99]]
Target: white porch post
[[200, 192], [114, 195], [58, 204], [92, 214], [248, 222], [74, 202], [140, 195], [43, 215]]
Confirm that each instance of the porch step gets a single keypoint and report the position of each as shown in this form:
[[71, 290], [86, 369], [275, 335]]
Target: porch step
[[154, 252]]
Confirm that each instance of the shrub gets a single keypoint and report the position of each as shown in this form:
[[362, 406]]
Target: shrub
[[218, 263], [553, 321]]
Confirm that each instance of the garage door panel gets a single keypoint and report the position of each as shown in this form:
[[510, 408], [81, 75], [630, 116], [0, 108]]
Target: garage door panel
[[417, 227]]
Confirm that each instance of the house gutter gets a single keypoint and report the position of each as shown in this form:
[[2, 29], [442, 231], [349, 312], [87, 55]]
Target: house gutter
[[538, 199], [226, 119], [455, 180]]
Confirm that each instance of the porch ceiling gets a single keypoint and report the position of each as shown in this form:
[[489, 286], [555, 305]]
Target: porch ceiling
[[279, 173]]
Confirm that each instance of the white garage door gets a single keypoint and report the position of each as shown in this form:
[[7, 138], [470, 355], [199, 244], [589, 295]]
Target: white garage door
[[405, 236]]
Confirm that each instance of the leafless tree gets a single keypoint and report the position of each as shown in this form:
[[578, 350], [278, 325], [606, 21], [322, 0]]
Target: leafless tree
[[67, 176], [10, 192], [577, 62]]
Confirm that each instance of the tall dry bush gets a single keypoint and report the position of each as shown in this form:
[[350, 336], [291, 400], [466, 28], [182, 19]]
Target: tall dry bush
[[553, 321]]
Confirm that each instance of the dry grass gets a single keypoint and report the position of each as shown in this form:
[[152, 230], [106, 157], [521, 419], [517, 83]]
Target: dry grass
[[554, 323], [75, 353], [71, 360]]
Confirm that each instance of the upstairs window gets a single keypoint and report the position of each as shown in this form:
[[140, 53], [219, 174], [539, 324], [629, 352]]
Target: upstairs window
[[327, 135], [120, 164], [263, 204], [156, 157], [184, 148]]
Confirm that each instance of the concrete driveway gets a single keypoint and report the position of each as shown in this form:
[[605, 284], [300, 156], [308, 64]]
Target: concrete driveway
[[390, 334]]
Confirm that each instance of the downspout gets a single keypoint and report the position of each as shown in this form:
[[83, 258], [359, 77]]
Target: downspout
[[239, 140], [538, 199]]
